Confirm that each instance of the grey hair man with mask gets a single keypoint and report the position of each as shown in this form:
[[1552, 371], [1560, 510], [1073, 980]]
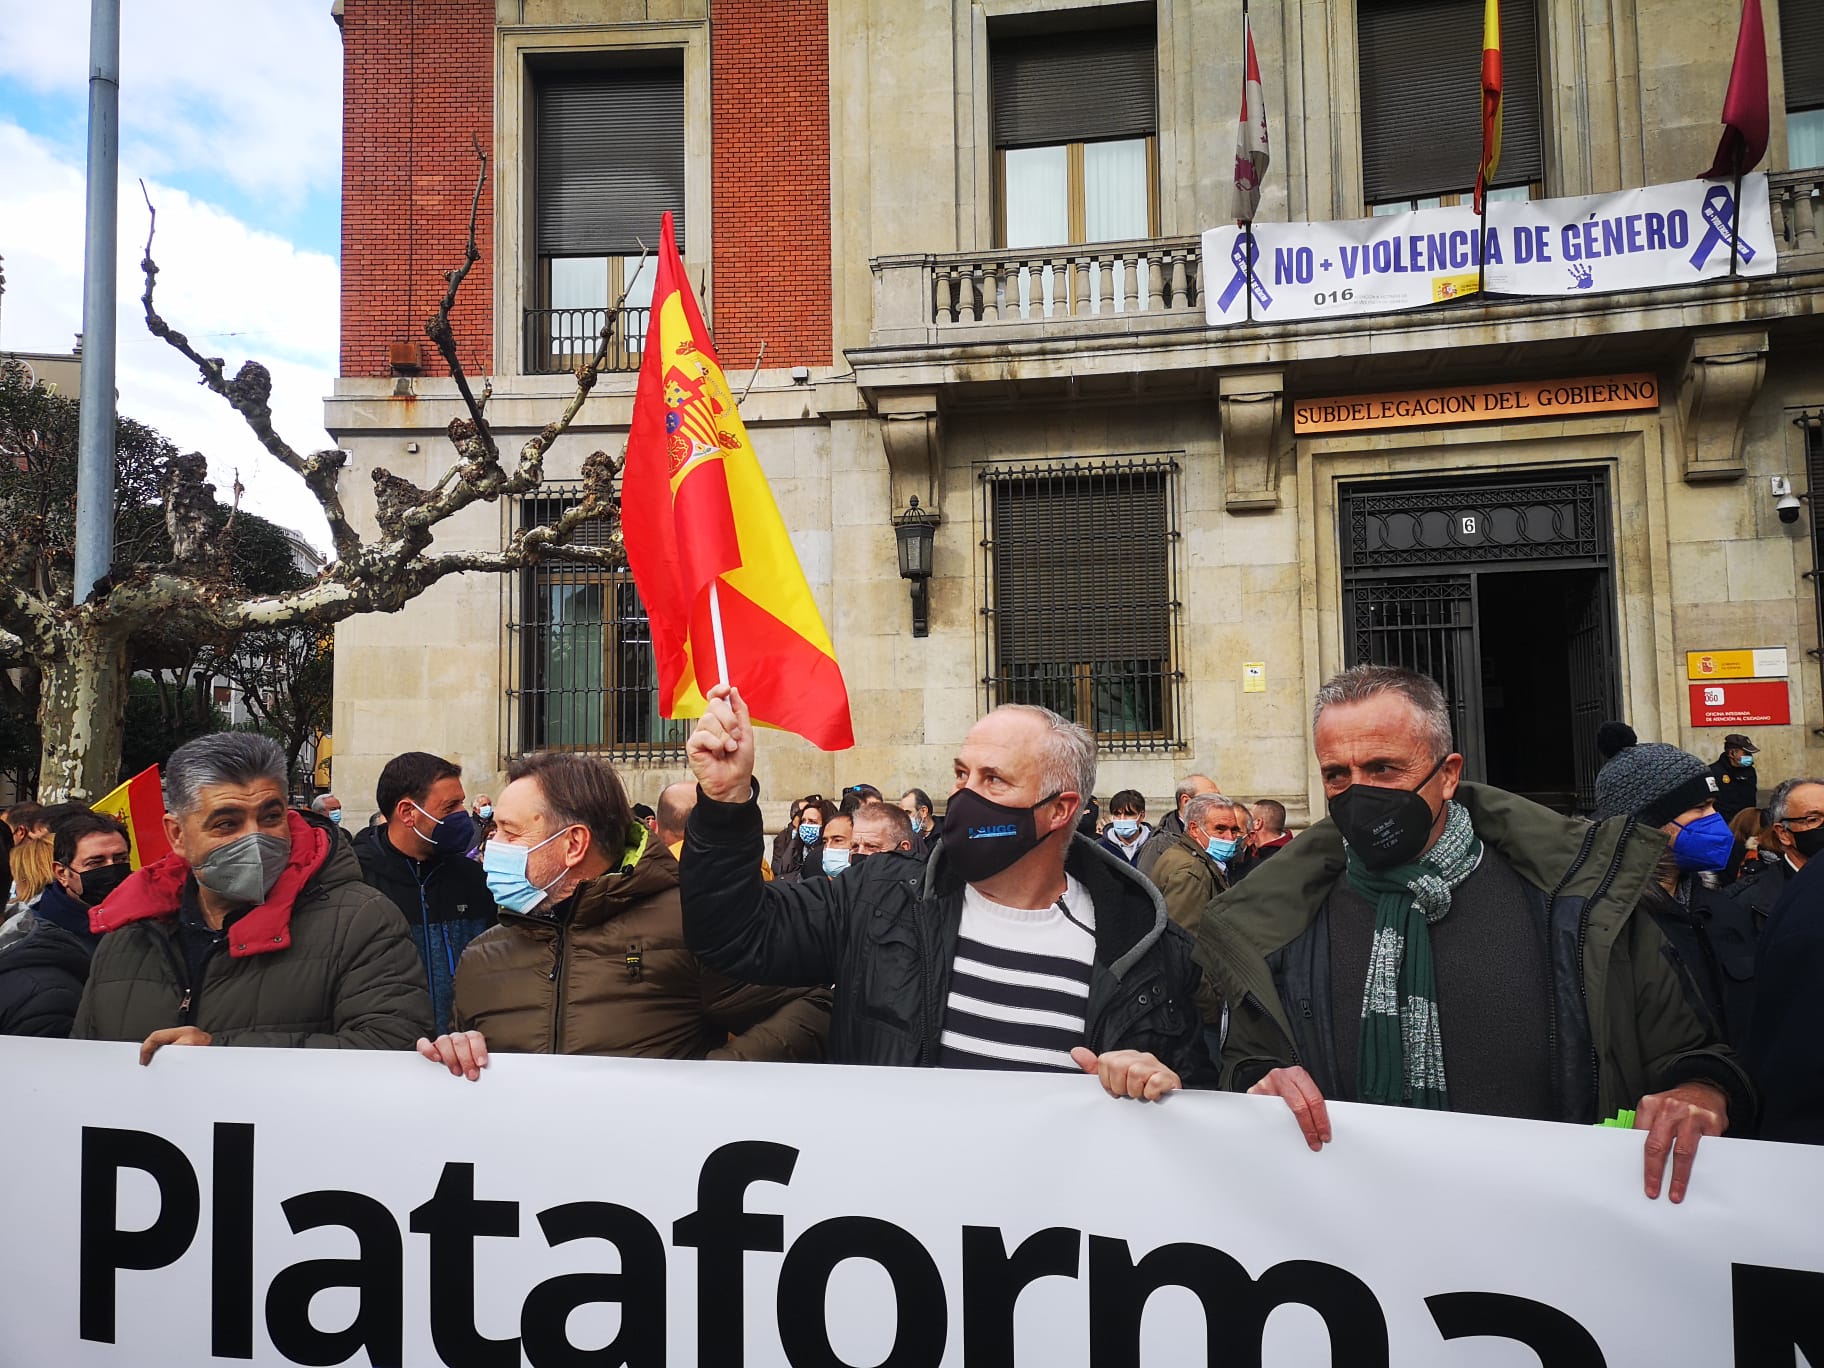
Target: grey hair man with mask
[[1020, 945], [255, 930], [1448, 946]]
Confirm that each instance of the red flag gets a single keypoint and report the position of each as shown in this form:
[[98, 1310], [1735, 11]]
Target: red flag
[[705, 540], [1491, 100], [1251, 136], [1745, 115]]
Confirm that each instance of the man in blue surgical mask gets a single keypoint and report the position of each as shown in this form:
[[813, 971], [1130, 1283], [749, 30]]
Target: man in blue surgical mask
[[255, 930], [589, 956], [1195, 867], [420, 859]]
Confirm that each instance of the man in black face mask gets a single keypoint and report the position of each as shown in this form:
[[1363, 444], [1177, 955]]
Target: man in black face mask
[[45, 953], [255, 930], [1020, 945], [1443, 945]]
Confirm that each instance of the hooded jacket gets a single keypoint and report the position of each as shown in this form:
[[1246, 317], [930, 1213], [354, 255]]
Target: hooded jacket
[[324, 962], [885, 931], [445, 902], [44, 961], [1623, 1024], [608, 974]]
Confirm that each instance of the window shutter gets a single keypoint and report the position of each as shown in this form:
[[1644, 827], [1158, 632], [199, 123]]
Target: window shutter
[[1075, 87], [1421, 88], [1080, 568], [1802, 53], [609, 160]]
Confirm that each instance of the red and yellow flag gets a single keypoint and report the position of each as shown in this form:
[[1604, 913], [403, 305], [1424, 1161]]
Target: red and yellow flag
[[1491, 99], [139, 805], [696, 514]]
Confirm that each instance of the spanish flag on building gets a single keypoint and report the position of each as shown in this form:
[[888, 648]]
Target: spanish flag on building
[[139, 805], [708, 549], [1491, 99]]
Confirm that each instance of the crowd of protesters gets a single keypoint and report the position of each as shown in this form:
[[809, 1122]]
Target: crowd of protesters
[[1429, 943]]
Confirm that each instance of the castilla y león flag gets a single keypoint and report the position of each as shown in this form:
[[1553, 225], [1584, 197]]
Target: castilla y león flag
[[697, 515]]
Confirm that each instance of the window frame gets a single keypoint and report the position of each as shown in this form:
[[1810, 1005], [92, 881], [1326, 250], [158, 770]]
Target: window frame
[[1461, 193], [519, 51], [1077, 191], [1170, 736], [525, 701]]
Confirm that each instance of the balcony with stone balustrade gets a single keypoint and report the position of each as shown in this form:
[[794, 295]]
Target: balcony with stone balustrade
[[1126, 319]]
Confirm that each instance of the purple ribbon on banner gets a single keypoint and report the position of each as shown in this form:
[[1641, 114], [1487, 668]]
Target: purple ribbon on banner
[[1718, 212], [1244, 254]]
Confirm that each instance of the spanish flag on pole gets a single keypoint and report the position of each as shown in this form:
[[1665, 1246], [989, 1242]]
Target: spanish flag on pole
[[139, 805], [721, 584], [1491, 99]]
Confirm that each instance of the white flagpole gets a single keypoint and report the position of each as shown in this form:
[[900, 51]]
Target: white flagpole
[[715, 627]]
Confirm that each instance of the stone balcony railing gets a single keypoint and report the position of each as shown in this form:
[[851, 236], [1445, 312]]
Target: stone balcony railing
[[1795, 197], [1123, 286]]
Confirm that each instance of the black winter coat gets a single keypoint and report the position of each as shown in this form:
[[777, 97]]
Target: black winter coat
[[1714, 937], [1786, 1036], [43, 966], [884, 933]]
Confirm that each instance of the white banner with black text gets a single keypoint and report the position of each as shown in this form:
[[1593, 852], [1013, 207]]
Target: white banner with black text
[[1656, 237], [306, 1207]]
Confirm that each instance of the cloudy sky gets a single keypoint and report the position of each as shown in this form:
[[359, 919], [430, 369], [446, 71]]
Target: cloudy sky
[[230, 112]]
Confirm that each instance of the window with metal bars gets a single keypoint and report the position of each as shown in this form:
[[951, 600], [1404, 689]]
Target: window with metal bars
[[580, 668], [1080, 563]]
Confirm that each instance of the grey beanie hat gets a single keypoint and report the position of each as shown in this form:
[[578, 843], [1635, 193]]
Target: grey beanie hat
[[1653, 783]]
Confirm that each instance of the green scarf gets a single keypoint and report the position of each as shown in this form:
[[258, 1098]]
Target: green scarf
[[1401, 1058]]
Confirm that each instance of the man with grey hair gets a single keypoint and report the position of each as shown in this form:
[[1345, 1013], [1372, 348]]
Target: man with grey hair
[[255, 930], [1444, 945], [1196, 867], [1021, 945], [329, 806], [1171, 826]]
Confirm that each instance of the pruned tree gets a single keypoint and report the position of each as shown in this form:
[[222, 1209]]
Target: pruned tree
[[80, 649]]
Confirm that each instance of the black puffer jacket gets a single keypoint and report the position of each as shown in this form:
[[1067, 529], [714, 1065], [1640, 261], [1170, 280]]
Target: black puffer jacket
[[42, 969], [884, 934]]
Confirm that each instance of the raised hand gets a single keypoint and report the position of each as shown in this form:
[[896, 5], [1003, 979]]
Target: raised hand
[[721, 749]]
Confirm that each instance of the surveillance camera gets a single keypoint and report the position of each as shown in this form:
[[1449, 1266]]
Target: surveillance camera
[[1787, 506]]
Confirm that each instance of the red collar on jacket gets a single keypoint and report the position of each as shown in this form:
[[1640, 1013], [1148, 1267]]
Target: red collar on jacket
[[158, 890]]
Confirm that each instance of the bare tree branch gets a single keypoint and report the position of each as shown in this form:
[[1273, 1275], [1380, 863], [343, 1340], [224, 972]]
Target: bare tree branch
[[247, 393], [438, 328]]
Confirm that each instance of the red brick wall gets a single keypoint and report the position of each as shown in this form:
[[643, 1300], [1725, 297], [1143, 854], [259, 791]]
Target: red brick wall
[[770, 180], [417, 94]]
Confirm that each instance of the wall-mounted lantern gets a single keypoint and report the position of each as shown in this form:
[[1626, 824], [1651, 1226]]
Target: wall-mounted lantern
[[916, 530]]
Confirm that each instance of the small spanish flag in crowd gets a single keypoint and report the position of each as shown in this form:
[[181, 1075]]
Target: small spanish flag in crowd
[[710, 556], [139, 805], [1491, 100]]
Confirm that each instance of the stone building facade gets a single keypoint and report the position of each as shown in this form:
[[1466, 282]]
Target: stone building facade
[[966, 234]]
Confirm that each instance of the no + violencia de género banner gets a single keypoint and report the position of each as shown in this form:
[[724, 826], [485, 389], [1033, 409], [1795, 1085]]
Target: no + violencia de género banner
[[1655, 237]]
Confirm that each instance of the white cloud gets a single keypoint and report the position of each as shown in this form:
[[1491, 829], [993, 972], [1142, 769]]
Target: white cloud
[[248, 91], [236, 292]]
